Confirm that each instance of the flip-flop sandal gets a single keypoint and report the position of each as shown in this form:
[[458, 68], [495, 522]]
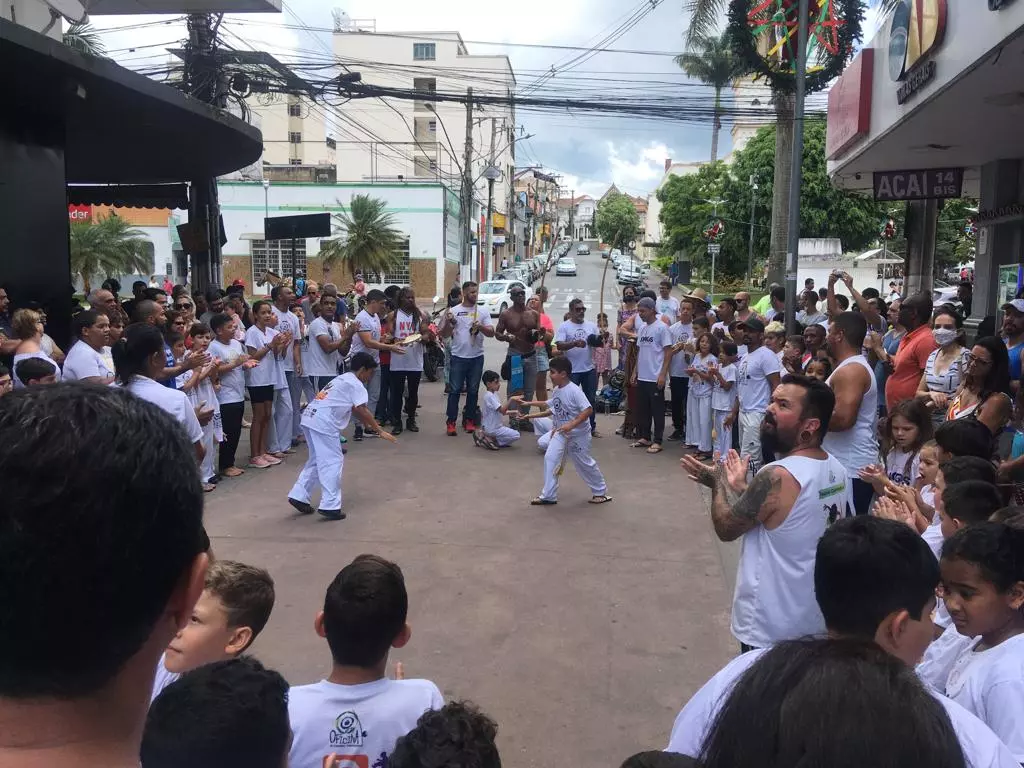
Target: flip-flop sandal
[[640, 444], [655, 449], [207, 487], [539, 502], [603, 499]]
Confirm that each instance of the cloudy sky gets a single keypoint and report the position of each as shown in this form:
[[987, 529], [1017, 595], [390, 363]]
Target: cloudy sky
[[589, 151]]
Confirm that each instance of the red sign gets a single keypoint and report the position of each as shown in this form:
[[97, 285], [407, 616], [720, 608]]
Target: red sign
[[849, 105], [79, 212]]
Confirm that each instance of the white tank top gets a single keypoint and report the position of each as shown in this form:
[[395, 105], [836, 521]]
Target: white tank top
[[774, 599], [857, 447], [412, 360]]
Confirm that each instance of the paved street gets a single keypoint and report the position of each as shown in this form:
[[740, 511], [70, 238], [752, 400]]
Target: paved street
[[580, 628]]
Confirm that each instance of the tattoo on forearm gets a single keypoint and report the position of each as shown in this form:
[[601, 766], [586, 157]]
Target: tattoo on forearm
[[753, 499]]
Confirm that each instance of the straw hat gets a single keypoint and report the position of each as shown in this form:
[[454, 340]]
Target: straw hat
[[699, 294]]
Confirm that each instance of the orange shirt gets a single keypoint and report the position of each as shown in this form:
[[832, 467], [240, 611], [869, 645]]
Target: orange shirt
[[909, 364]]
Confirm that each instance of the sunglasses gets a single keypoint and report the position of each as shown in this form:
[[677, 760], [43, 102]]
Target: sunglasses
[[183, 306]]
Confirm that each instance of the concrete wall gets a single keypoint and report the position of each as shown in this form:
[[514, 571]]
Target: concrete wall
[[275, 123]]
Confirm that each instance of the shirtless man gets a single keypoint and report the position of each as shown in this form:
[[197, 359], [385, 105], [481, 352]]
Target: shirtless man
[[743, 310], [519, 327]]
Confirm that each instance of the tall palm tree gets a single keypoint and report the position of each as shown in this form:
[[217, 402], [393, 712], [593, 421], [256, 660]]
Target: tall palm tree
[[370, 241], [83, 37], [110, 247], [711, 61]]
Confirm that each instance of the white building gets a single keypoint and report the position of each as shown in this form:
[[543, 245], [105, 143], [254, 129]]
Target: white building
[[294, 130], [653, 223], [753, 110]]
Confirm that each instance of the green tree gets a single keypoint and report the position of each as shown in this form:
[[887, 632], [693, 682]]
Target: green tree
[[711, 61], [83, 37], [108, 248], [370, 240], [616, 220]]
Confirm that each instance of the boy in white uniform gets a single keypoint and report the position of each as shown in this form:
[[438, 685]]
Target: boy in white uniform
[[724, 404], [570, 412], [493, 433], [322, 423], [203, 392]]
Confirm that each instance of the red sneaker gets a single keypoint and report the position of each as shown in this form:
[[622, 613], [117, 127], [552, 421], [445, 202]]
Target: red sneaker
[[469, 426], [452, 432]]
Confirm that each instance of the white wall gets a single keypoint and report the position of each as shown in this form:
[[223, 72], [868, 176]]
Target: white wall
[[653, 223], [275, 123]]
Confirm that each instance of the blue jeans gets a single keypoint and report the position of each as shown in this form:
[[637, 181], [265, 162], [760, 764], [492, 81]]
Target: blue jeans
[[465, 370], [587, 381]]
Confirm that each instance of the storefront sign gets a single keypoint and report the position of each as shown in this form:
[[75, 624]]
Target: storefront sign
[[928, 184], [1003, 213], [79, 212], [917, 30], [849, 105]]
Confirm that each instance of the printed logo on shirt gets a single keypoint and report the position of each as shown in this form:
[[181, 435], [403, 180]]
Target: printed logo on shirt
[[347, 731], [899, 478], [352, 761]]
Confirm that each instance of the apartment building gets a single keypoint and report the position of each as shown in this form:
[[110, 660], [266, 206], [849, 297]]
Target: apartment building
[[295, 130]]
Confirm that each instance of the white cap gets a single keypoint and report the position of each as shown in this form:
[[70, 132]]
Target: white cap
[[1017, 305]]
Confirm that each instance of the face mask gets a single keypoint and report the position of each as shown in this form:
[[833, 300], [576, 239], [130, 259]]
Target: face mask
[[944, 336]]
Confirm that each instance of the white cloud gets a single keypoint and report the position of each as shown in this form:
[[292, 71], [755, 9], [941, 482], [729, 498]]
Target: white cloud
[[639, 175]]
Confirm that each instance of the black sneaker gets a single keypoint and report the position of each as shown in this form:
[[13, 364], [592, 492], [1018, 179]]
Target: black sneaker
[[358, 434], [370, 432], [677, 434], [303, 507], [397, 429], [331, 514], [410, 424]]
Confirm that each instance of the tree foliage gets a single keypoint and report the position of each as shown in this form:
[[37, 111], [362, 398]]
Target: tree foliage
[[711, 61], [83, 37], [108, 247], [616, 220], [370, 240]]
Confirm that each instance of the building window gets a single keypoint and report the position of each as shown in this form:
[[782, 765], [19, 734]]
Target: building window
[[331, 143], [432, 126], [428, 84], [424, 51], [295, 161], [294, 110], [294, 137], [276, 256], [399, 275]]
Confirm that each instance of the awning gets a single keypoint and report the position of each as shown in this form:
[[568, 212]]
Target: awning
[[116, 126], [130, 195], [874, 254]]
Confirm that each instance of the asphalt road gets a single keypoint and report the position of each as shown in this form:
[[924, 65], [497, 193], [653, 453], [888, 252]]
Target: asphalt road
[[581, 629]]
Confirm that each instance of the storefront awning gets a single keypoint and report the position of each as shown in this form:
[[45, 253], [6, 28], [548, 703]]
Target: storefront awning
[[130, 195]]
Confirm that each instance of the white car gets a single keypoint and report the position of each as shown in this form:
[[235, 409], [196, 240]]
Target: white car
[[566, 267], [494, 295], [630, 275]]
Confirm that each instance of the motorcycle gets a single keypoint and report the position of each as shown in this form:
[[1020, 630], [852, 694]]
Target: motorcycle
[[433, 356]]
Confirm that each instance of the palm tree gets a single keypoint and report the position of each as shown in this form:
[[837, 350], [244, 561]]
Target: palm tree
[[108, 247], [83, 37], [371, 242], [712, 62]]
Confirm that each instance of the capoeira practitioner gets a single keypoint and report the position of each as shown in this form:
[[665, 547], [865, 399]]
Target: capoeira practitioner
[[493, 433], [570, 411], [322, 424]]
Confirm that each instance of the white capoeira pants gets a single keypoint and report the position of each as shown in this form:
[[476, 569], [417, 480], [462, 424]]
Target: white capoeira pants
[[750, 437], [579, 451], [323, 467], [542, 429], [207, 469], [723, 434], [279, 436], [692, 433], [702, 421], [504, 436]]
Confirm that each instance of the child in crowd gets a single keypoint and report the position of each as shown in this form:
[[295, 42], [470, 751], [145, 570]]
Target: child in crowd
[[229, 714], [979, 664], [818, 369], [793, 354], [967, 503], [231, 361], [928, 471], [6, 382], [603, 353], [232, 610], [724, 400], [570, 411], [322, 424], [36, 370], [201, 386], [176, 342], [356, 716], [493, 433], [963, 437], [908, 428], [698, 400], [456, 736]]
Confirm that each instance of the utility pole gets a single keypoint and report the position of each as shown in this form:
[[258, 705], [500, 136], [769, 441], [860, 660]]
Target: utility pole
[[492, 174], [793, 246], [750, 245], [572, 210], [467, 187]]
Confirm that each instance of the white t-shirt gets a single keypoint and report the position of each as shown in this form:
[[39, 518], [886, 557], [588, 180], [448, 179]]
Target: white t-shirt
[[492, 416], [722, 399], [669, 306], [171, 400], [18, 383], [566, 404], [366, 323], [359, 723], [582, 358], [698, 386], [163, 678], [331, 409], [896, 466], [720, 326], [412, 360], [752, 379], [316, 362], [465, 344], [681, 359], [981, 747], [265, 373], [289, 321], [204, 395], [989, 684], [232, 383], [818, 318], [84, 362], [651, 340]]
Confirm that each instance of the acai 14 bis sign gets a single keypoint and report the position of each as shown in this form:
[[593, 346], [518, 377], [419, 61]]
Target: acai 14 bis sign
[[927, 184]]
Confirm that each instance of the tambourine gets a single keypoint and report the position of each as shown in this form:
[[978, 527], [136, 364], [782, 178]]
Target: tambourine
[[412, 338]]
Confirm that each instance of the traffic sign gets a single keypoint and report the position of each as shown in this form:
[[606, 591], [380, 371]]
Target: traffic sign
[[714, 249], [632, 244]]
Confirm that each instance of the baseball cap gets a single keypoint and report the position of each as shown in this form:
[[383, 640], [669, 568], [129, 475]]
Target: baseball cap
[[646, 303], [753, 324], [1017, 305]]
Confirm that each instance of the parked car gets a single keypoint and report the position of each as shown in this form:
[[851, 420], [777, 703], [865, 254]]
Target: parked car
[[630, 274], [494, 295], [566, 266], [583, 249], [943, 293]]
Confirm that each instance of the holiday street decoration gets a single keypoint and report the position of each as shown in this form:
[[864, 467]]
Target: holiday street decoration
[[714, 230], [970, 229], [888, 231], [764, 37]]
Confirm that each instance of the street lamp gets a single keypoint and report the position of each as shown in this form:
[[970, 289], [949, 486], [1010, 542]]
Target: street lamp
[[266, 203], [492, 174]]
